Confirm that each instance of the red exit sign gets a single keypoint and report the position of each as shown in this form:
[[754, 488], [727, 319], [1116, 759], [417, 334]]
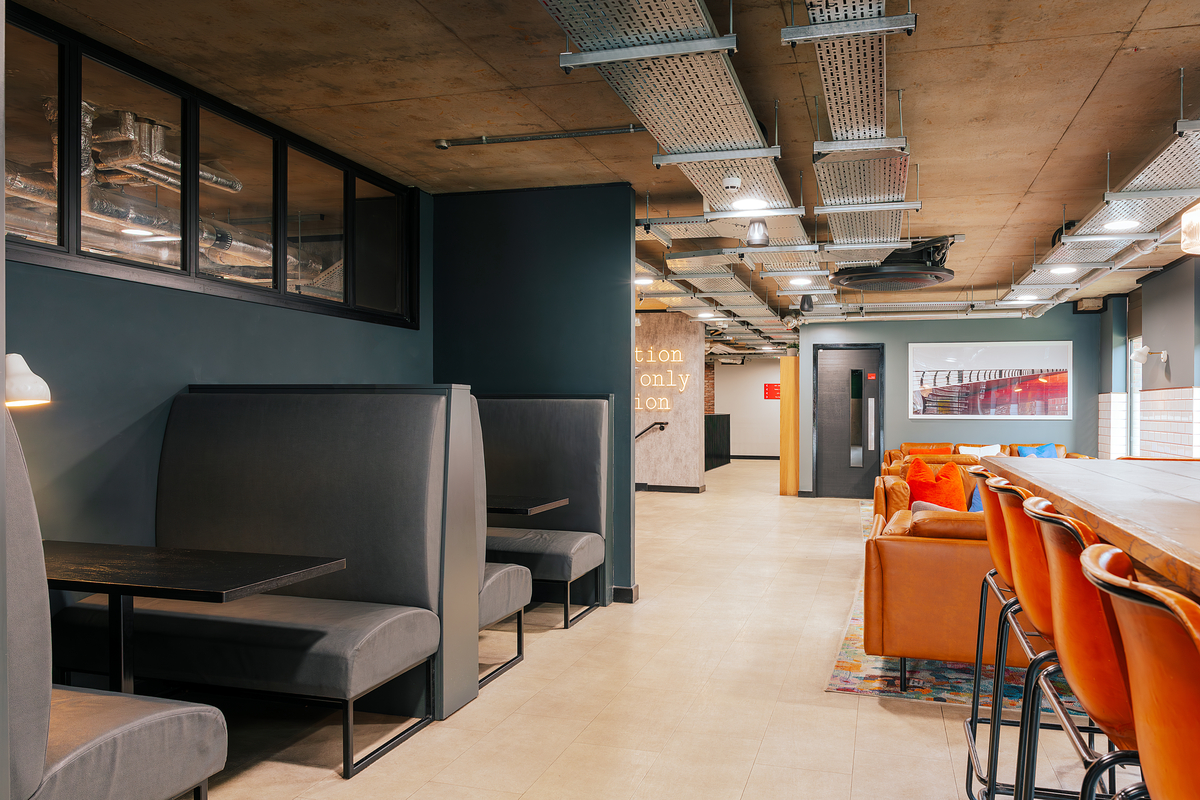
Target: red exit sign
[[770, 391]]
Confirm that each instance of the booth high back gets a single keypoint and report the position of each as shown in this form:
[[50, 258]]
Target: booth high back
[[67, 743], [554, 448]]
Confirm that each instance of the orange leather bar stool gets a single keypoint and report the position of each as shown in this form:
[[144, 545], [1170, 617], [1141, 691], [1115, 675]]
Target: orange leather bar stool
[[998, 583], [1089, 649], [1160, 634], [1031, 579]]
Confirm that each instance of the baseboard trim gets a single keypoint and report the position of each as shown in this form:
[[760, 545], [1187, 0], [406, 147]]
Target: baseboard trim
[[626, 594], [808, 493], [651, 487], [757, 458]]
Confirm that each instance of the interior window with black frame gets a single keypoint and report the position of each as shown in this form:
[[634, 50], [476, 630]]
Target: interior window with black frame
[[237, 182], [131, 173], [315, 228], [377, 267], [31, 136]]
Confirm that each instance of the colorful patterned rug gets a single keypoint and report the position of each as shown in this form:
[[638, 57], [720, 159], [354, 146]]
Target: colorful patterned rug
[[935, 681]]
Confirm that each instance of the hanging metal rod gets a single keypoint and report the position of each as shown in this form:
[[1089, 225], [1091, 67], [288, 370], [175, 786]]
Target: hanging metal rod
[[825, 31], [596, 58], [446, 144]]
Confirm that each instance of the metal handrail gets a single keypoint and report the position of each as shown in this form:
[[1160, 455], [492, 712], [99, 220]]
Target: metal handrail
[[662, 426]]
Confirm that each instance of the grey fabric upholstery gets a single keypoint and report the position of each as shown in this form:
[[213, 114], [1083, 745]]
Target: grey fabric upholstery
[[312, 474], [70, 744], [548, 447], [480, 471], [297, 645], [28, 610], [549, 555], [107, 746], [507, 588]]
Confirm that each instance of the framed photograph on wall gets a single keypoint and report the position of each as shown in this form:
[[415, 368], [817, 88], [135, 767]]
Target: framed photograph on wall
[[989, 380]]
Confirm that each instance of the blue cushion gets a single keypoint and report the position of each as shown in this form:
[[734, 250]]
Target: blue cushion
[[976, 501], [1042, 451]]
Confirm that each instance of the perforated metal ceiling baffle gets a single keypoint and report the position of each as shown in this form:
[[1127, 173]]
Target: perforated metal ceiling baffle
[[689, 103], [1176, 166]]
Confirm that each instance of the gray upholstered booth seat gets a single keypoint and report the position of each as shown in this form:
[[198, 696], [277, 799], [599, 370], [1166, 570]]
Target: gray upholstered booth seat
[[549, 555], [553, 447], [507, 588], [504, 589], [73, 744], [106, 746], [297, 645], [356, 475]]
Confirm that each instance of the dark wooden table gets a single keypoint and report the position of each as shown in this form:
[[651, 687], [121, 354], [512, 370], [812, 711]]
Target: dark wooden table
[[1149, 509], [124, 572], [520, 504]]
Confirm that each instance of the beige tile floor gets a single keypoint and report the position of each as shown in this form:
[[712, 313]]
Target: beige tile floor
[[712, 686]]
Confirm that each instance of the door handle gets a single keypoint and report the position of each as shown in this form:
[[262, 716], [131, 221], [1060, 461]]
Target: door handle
[[870, 423]]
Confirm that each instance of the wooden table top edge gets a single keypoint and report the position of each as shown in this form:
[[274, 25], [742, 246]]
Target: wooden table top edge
[[1178, 564], [527, 511]]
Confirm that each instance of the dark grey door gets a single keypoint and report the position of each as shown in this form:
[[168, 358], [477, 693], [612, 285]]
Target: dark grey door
[[849, 417]]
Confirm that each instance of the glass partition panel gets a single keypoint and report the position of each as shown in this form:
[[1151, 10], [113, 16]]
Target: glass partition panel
[[130, 183], [856, 416], [236, 193], [31, 136], [376, 248], [315, 232]]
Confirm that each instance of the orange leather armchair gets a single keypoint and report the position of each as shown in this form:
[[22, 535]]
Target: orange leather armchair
[[921, 586]]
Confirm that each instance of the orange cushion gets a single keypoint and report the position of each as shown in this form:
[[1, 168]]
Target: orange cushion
[[932, 451], [944, 489]]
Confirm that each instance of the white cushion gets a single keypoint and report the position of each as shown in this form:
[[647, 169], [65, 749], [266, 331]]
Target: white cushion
[[985, 450]]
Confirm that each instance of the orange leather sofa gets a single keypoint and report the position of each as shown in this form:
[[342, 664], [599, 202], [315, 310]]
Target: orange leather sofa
[[892, 459], [922, 580]]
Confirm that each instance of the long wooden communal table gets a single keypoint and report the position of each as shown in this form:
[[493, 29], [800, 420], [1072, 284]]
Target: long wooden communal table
[[1149, 509]]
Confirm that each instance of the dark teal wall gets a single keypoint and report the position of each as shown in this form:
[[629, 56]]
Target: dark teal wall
[[1114, 330], [1079, 434], [115, 353], [533, 293]]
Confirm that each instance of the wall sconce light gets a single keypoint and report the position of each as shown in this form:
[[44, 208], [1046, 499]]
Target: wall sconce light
[[21, 386], [1142, 354]]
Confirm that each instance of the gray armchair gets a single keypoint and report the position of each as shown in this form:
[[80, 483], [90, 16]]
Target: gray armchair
[[68, 743]]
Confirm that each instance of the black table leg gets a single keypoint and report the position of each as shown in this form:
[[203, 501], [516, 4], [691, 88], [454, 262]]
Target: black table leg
[[120, 643]]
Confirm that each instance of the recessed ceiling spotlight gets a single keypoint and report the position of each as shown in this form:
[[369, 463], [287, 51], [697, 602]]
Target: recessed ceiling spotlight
[[136, 232], [643, 281], [749, 204], [1027, 297], [800, 281], [766, 348], [1121, 225], [1063, 270], [706, 315]]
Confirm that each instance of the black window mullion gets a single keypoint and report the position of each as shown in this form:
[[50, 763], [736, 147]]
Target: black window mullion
[[70, 156], [348, 236], [279, 223], [189, 201]]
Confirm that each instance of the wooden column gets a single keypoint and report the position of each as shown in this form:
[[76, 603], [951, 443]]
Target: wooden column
[[789, 425]]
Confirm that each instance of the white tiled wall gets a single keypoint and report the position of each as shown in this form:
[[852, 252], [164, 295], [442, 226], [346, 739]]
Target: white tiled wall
[[1114, 416], [1170, 422]]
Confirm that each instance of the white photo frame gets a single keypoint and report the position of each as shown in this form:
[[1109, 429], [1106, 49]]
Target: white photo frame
[[990, 380]]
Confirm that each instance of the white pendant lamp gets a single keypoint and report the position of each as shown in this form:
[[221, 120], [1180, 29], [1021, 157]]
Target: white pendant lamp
[[21, 386], [756, 235], [1190, 225]]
